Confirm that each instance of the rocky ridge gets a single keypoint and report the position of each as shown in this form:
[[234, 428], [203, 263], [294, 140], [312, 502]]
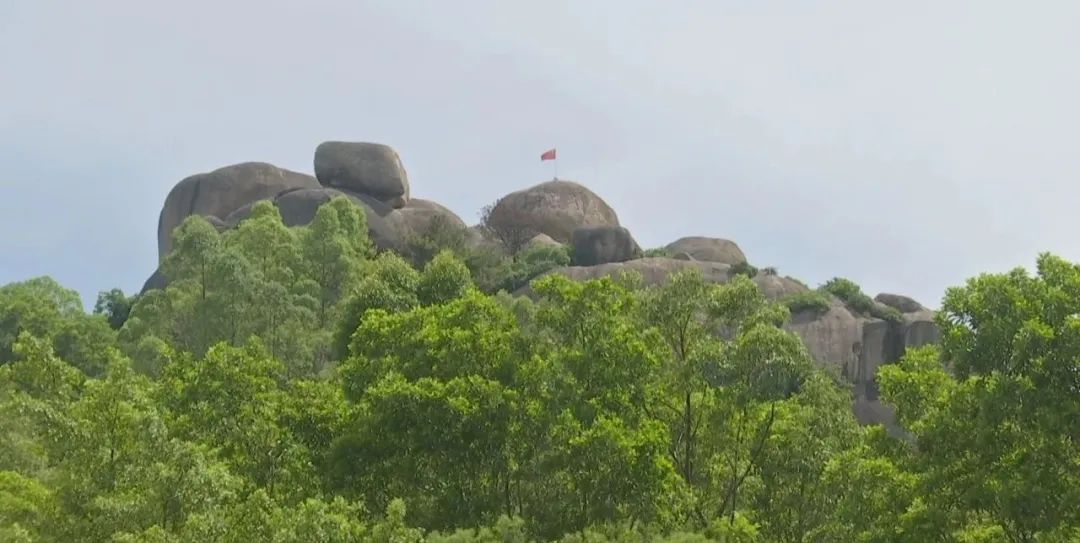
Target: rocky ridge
[[556, 212]]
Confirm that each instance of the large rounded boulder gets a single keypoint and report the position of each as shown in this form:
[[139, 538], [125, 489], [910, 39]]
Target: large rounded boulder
[[708, 250], [603, 244], [421, 214], [899, 302], [373, 169], [555, 208], [387, 228], [222, 191]]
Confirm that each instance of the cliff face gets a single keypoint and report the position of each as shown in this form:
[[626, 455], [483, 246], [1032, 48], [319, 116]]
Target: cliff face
[[854, 342]]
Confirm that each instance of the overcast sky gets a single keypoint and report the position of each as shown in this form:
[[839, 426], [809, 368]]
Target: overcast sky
[[905, 145]]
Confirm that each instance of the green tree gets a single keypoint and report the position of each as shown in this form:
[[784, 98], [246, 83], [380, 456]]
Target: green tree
[[996, 441]]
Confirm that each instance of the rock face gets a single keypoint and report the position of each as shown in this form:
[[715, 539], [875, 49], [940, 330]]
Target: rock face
[[220, 192], [387, 228], [775, 287], [543, 240], [708, 250], [366, 168], [555, 208], [419, 214], [900, 303], [603, 244]]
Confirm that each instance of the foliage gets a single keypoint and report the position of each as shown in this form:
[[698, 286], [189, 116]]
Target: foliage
[[289, 385], [811, 300], [658, 252], [743, 268], [502, 224]]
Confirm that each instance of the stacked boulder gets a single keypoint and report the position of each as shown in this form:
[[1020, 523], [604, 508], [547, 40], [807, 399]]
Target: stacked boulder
[[552, 213], [369, 174]]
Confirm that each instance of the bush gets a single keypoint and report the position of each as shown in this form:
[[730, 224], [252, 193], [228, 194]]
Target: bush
[[855, 299], [812, 300], [743, 268], [769, 271], [658, 252]]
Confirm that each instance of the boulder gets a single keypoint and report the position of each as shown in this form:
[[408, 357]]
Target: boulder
[[555, 208], [157, 280], [366, 168], [603, 244], [387, 228], [919, 329], [543, 240], [898, 302], [834, 338], [708, 250], [418, 214], [776, 287], [220, 192]]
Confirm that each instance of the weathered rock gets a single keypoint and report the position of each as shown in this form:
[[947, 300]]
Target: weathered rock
[[157, 280], [776, 287], [366, 168], [543, 240], [898, 302], [603, 244], [419, 214], [555, 208], [387, 228], [222, 191], [919, 329], [833, 338], [682, 256], [708, 249]]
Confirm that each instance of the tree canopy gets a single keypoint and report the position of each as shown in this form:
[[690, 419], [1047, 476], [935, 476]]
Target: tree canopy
[[291, 384]]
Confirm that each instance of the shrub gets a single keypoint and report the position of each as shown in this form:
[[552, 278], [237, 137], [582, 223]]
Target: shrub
[[658, 252], [811, 300], [743, 268], [769, 271]]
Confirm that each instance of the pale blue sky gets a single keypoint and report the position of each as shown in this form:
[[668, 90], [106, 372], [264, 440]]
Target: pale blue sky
[[906, 145]]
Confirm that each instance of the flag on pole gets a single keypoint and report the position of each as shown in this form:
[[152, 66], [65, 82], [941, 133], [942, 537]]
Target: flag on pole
[[548, 155]]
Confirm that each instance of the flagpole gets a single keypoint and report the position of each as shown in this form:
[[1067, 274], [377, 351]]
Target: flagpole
[[555, 164]]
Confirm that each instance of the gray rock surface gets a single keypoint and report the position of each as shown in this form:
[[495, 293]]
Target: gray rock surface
[[157, 280], [830, 337], [222, 191], [418, 214], [899, 302], [543, 240], [776, 287], [603, 244], [387, 228], [708, 249], [555, 208], [373, 169]]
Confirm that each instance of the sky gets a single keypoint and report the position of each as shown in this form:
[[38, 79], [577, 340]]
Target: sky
[[907, 146]]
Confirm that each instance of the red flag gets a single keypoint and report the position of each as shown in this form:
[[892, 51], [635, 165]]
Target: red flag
[[548, 155]]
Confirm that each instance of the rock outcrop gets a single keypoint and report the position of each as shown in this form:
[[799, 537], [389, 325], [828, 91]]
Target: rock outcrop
[[708, 249], [220, 192], [898, 302], [603, 244], [555, 213], [419, 214], [555, 208], [365, 168], [387, 228]]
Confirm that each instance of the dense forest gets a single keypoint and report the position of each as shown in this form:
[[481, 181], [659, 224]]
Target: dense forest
[[294, 385]]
